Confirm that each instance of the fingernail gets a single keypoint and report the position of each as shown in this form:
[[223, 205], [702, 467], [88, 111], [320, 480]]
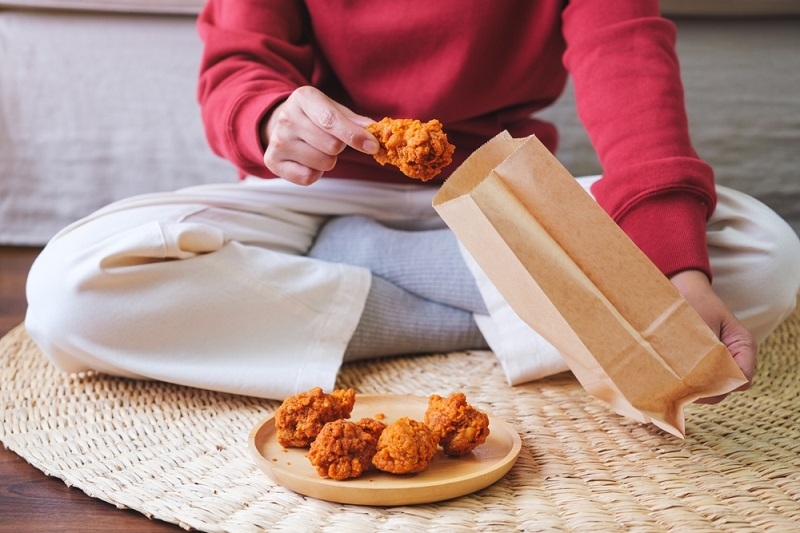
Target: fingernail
[[370, 147]]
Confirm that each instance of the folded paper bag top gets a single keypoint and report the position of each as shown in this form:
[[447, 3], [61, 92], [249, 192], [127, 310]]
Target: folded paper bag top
[[572, 274]]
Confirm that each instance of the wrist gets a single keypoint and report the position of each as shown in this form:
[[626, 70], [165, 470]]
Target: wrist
[[691, 277]]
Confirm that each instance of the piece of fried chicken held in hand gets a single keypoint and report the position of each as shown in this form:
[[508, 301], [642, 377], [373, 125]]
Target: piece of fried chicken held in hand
[[301, 417], [460, 427], [344, 449], [420, 150], [405, 447]]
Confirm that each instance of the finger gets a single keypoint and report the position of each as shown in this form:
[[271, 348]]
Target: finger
[[717, 399], [370, 144], [338, 122], [323, 141], [290, 142], [301, 143], [296, 173], [744, 349], [711, 400], [298, 162], [297, 132]]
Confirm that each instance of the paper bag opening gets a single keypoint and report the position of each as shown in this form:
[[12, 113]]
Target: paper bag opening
[[572, 274]]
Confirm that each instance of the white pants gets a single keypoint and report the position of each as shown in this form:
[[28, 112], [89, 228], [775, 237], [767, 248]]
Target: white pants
[[210, 287]]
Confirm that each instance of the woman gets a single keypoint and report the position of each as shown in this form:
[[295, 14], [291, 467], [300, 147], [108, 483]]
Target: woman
[[322, 255]]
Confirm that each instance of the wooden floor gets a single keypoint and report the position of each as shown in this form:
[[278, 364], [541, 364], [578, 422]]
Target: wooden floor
[[29, 500]]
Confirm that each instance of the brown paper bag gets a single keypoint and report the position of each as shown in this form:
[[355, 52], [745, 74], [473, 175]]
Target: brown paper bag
[[572, 274]]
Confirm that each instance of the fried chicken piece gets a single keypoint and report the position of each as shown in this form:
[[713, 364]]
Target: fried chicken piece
[[460, 427], [372, 426], [344, 449], [301, 417], [405, 447], [419, 150]]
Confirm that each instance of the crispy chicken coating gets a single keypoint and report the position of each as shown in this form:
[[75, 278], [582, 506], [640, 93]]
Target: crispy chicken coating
[[301, 417], [405, 447], [344, 449], [460, 427], [372, 426], [420, 150]]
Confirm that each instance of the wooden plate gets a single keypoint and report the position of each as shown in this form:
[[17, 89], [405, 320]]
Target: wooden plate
[[445, 478]]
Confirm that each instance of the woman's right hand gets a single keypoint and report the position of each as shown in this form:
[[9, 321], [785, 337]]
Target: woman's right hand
[[305, 134]]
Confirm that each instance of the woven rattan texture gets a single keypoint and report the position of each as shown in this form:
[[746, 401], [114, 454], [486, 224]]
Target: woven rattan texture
[[180, 454]]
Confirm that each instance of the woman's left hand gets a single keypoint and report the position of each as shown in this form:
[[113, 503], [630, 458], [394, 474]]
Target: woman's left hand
[[696, 288]]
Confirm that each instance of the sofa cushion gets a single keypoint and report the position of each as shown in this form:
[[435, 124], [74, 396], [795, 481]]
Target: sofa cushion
[[170, 7]]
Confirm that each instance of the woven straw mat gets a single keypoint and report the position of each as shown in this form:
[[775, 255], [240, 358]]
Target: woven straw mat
[[180, 454]]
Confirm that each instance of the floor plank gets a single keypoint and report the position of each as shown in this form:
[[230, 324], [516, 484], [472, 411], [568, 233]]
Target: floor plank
[[14, 265]]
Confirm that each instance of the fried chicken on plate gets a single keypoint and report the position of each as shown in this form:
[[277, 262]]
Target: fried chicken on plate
[[344, 449], [301, 417], [460, 427], [405, 447], [341, 449]]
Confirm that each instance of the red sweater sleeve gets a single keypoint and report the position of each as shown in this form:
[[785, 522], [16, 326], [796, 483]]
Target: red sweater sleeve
[[240, 39], [621, 56]]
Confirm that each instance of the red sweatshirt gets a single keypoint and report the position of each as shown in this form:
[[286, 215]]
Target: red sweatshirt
[[479, 67]]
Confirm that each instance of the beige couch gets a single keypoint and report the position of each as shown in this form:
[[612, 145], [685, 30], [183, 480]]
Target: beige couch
[[97, 102]]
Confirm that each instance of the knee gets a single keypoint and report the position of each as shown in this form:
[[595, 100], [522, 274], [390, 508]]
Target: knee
[[60, 314], [782, 291], [777, 284], [780, 264], [786, 267], [755, 259]]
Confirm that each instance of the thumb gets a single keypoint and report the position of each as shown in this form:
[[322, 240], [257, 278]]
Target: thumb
[[368, 142]]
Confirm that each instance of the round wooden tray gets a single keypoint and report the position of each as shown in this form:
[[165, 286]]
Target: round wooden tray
[[446, 477]]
